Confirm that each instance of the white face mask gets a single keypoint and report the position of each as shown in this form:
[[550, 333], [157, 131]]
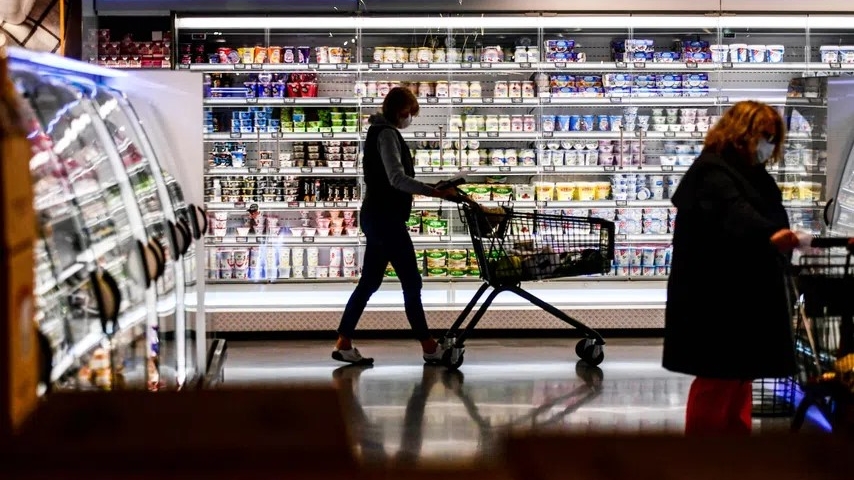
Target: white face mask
[[764, 150], [405, 122]]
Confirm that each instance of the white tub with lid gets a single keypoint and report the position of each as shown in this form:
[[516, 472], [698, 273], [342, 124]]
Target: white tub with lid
[[776, 53], [757, 53], [846, 53], [829, 53]]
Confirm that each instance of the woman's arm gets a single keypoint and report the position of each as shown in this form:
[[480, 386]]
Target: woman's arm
[[390, 148]]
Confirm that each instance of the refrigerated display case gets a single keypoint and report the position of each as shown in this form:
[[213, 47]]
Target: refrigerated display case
[[109, 233], [577, 114]]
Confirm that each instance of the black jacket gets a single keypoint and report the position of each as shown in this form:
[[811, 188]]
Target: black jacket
[[728, 307], [382, 199]]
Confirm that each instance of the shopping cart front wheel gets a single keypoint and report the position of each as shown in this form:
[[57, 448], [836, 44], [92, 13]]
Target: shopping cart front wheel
[[589, 352]]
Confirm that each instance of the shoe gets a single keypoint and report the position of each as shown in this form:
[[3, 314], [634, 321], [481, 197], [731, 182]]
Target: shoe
[[351, 356], [434, 358]]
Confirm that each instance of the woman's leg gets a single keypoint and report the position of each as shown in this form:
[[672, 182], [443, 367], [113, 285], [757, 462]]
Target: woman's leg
[[401, 253], [719, 407], [373, 270]]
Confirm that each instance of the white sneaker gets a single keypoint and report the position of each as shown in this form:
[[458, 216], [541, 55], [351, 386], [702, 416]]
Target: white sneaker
[[351, 356], [434, 358]]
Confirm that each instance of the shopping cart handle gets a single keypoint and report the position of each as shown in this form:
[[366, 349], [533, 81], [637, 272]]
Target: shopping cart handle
[[446, 184], [830, 242]]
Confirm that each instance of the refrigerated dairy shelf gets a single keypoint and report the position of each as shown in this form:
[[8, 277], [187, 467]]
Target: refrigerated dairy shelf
[[417, 240], [432, 205]]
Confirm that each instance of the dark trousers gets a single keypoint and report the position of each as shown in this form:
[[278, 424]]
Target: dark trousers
[[386, 241], [719, 407]]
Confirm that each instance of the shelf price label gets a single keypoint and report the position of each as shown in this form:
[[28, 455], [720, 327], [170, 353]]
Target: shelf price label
[[516, 100], [504, 169], [465, 65], [727, 65], [548, 168], [608, 168], [293, 204], [307, 239], [397, 66], [260, 239], [457, 100], [723, 99], [241, 239], [492, 134], [313, 66], [696, 134], [426, 169], [622, 203], [337, 169], [309, 204], [253, 170], [239, 66], [251, 100], [616, 99], [692, 65], [423, 65], [472, 134], [276, 135], [485, 65], [487, 100], [342, 204], [621, 65], [240, 205], [640, 64], [257, 66], [667, 168], [327, 135], [183, 66], [306, 169], [560, 64], [335, 100], [545, 100], [329, 204], [342, 66], [548, 134], [834, 66], [621, 237], [670, 134], [373, 65], [420, 134], [432, 100], [235, 135], [525, 65], [368, 100], [216, 240], [288, 100]]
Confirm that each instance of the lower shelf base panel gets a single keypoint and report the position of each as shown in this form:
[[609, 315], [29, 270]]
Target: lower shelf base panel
[[316, 321]]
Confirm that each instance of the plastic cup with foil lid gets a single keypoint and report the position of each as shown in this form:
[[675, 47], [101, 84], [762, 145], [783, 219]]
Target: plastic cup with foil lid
[[517, 123], [442, 89], [504, 123], [475, 89], [529, 123], [502, 89], [378, 56]]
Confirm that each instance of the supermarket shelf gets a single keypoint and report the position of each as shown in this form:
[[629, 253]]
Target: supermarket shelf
[[284, 136], [605, 292], [313, 171], [435, 204], [133, 318], [479, 67], [278, 102], [496, 136], [417, 240]]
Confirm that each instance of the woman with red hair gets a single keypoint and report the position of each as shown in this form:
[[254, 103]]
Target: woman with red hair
[[728, 318]]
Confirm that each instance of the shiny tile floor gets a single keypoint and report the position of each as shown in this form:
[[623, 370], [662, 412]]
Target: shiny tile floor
[[403, 410]]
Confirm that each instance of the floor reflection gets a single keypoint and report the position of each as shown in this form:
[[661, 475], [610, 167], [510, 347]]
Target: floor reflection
[[402, 411]]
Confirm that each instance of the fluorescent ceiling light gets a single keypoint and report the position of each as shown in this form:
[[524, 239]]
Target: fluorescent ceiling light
[[771, 22], [834, 22], [261, 23]]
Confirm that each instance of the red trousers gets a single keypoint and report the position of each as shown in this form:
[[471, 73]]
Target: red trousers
[[719, 407]]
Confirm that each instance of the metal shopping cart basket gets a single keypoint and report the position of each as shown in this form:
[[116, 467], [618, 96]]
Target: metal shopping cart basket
[[512, 247], [824, 338]]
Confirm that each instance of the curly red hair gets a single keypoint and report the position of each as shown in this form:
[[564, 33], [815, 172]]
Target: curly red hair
[[742, 126]]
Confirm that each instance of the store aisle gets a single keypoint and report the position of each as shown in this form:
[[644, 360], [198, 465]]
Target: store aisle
[[405, 411]]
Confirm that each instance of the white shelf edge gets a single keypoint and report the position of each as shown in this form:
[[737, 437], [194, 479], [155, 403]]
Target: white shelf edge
[[416, 135], [428, 204]]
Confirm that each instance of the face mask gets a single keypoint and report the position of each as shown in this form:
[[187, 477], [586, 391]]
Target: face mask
[[764, 150], [405, 122]]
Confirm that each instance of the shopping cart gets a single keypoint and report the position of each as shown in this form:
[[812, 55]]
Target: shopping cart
[[824, 338], [512, 247]]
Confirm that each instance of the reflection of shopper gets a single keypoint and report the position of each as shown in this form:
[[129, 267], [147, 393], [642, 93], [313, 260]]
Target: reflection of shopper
[[390, 185], [727, 320]]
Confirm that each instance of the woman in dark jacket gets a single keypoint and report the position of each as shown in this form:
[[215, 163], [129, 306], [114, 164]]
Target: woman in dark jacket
[[390, 183], [728, 318]]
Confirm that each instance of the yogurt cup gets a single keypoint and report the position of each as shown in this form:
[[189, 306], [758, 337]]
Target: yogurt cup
[[776, 53], [846, 53], [829, 53], [720, 53], [738, 53], [757, 53]]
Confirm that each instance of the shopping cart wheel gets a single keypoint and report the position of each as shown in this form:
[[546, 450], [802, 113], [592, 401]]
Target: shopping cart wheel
[[582, 344], [592, 354], [453, 358]]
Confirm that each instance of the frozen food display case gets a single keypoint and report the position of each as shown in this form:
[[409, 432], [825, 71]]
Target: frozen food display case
[[108, 264], [582, 115]]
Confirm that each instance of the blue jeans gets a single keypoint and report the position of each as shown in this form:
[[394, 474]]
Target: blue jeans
[[386, 241]]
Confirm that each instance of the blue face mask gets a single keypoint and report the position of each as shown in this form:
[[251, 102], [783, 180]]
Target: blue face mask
[[764, 150]]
